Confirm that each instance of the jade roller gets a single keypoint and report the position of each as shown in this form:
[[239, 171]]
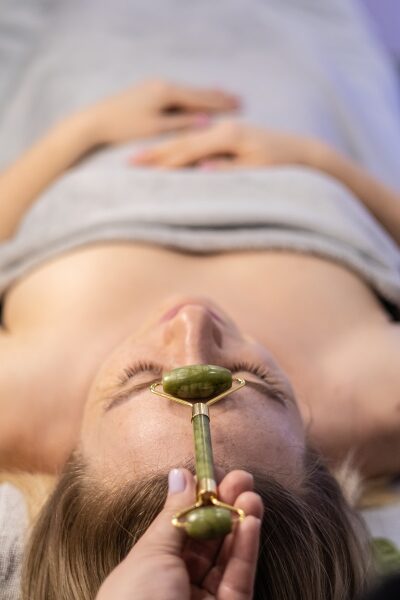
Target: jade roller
[[199, 386]]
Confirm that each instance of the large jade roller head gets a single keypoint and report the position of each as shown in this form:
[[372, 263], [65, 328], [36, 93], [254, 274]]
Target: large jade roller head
[[196, 382], [199, 386]]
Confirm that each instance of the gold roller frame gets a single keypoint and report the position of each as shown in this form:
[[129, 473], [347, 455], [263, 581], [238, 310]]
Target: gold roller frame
[[208, 517]]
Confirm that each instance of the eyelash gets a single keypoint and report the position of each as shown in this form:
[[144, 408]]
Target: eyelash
[[265, 374], [259, 370], [140, 366]]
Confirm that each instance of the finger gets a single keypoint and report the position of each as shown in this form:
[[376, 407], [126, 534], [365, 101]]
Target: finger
[[237, 582], [252, 505], [169, 123], [197, 99], [200, 556], [187, 149], [218, 164], [162, 535], [234, 484]]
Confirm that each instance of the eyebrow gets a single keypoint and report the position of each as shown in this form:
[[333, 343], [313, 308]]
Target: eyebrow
[[270, 390]]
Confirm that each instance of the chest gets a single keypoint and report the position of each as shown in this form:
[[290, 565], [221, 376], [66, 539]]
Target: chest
[[270, 294]]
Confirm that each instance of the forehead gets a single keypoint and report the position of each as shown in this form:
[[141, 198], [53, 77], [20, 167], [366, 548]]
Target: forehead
[[138, 441]]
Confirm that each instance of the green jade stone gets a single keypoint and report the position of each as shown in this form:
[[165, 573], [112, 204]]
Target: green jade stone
[[203, 448], [196, 382], [208, 523]]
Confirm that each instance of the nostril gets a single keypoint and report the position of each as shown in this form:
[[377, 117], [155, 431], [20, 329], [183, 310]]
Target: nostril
[[217, 334]]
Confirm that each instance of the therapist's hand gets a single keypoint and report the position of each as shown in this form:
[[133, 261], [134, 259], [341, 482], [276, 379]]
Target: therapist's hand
[[230, 144], [166, 565], [153, 107]]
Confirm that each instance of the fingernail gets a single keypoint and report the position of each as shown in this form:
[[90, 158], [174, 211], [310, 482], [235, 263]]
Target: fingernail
[[208, 166], [176, 481], [201, 120]]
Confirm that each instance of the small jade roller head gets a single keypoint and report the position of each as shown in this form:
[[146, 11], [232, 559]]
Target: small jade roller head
[[206, 522], [198, 387]]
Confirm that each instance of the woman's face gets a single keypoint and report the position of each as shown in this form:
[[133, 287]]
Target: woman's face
[[128, 432]]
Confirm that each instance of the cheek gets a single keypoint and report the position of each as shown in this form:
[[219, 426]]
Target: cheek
[[271, 440]]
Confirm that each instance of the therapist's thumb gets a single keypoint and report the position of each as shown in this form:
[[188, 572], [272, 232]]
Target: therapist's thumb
[[162, 536]]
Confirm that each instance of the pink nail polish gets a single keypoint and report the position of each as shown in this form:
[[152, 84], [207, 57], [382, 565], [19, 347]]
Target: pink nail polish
[[176, 481], [207, 166], [201, 120]]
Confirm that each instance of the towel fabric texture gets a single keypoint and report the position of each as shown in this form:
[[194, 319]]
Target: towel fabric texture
[[13, 522], [304, 66]]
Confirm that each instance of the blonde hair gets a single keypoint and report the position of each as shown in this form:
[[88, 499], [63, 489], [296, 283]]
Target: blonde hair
[[313, 546]]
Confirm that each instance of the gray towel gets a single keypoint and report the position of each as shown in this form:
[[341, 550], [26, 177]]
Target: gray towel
[[281, 208], [13, 522], [305, 66]]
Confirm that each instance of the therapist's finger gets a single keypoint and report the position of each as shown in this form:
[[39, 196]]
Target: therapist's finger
[[237, 582], [162, 537], [201, 556], [234, 484], [238, 542], [251, 504]]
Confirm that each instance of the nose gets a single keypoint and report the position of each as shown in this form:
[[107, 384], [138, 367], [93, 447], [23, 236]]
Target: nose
[[193, 336]]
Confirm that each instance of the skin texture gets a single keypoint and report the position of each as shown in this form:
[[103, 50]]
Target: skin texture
[[119, 444]]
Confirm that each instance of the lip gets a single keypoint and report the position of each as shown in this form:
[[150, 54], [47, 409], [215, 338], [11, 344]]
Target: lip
[[175, 309]]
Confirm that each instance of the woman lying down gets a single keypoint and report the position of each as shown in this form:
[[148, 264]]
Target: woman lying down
[[88, 331], [269, 254]]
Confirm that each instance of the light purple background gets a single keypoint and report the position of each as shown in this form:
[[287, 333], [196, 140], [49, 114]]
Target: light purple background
[[386, 15]]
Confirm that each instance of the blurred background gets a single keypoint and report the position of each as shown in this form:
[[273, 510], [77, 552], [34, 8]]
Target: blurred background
[[386, 17]]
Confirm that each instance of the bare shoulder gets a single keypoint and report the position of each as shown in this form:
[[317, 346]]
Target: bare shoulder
[[23, 397], [8, 369], [43, 387], [360, 411]]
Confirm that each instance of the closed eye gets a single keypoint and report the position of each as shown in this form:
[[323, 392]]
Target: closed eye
[[152, 367], [270, 385], [140, 367]]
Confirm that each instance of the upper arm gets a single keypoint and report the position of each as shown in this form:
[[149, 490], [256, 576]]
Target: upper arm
[[7, 427], [378, 376], [16, 388], [40, 406], [359, 410]]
